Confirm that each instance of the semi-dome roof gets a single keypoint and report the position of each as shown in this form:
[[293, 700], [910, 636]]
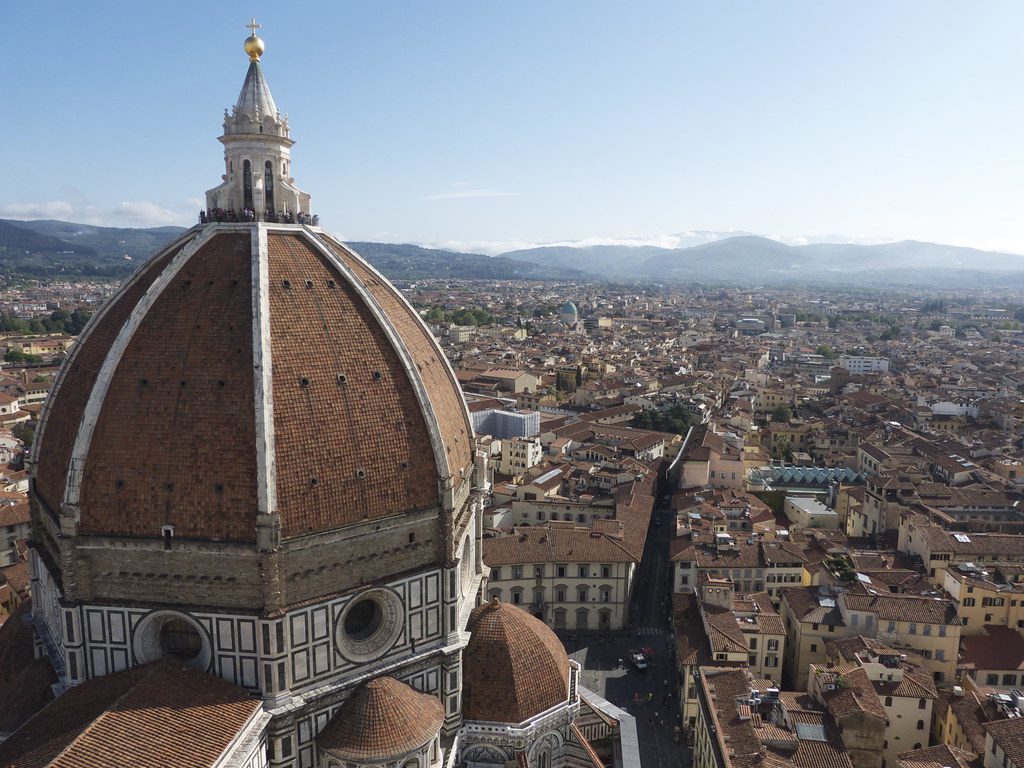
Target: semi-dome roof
[[514, 666], [251, 369], [384, 719]]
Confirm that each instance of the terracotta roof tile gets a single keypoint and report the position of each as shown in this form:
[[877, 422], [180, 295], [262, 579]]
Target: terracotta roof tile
[[514, 666], [14, 514], [340, 446], [1009, 735], [183, 717], [78, 375], [351, 435], [184, 381], [24, 681], [383, 720]]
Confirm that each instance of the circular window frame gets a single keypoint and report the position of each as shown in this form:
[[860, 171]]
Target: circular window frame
[[146, 639], [383, 638]]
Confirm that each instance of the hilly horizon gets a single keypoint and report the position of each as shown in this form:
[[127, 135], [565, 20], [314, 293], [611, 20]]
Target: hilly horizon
[[49, 247]]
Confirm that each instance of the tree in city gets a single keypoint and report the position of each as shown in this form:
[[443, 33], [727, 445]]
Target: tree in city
[[25, 431], [676, 419], [781, 414], [17, 356], [783, 449], [889, 334]]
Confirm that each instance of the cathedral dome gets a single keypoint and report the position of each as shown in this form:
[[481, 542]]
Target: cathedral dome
[[569, 308], [250, 370], [514, 666], [383, 720]]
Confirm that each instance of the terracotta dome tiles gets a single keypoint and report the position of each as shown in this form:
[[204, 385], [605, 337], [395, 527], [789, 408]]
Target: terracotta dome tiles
[[383, 719], [514, 666], [449, 408], [79, 376], [175, 438], [351, 449]]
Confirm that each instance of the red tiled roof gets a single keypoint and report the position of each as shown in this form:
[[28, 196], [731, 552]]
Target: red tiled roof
[[162, 715], [24, 681], [78, 375], [352, 429], [382, 720], [514, 666], [14, 514], [999, 648]]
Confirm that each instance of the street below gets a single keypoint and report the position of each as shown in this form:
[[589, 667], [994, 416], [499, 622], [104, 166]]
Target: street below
[[649, 695]]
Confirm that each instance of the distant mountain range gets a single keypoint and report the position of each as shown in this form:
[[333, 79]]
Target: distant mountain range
[[50, 248], [749, 259]]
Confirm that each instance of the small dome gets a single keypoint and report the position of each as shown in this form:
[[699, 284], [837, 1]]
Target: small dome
[[569, 308], [514, 666], [384, 719]]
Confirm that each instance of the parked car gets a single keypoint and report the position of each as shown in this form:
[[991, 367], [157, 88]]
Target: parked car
[[638, 660]]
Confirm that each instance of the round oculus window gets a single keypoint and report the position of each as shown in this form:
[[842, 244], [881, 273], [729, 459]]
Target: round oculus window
[[370, 625], [171, 635]]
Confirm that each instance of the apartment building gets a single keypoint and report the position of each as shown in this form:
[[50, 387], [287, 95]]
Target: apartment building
[[881, 677], [717, 626], [941, 550], [991, 595], [754, 564], [744, 721], [519, 454], [568, 576], [926, 629]]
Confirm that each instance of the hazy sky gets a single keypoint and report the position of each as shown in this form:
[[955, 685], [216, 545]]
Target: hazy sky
[[462, 123]]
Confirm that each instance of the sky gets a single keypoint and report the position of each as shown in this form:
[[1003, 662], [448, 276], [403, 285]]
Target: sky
[[485, 125]]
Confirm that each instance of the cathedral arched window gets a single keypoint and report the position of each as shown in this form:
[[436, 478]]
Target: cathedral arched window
[[268, 185], [247, 184]]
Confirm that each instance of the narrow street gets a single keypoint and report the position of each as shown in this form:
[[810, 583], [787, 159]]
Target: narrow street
[[649, 695]]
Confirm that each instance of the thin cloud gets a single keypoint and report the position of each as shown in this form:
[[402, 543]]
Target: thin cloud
[[127, 214], [486, 247], [147, 214], [55, 209], [461, 193], [998, 244]]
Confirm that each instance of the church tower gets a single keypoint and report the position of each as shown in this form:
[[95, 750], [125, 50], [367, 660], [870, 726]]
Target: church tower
[[257, 151]]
